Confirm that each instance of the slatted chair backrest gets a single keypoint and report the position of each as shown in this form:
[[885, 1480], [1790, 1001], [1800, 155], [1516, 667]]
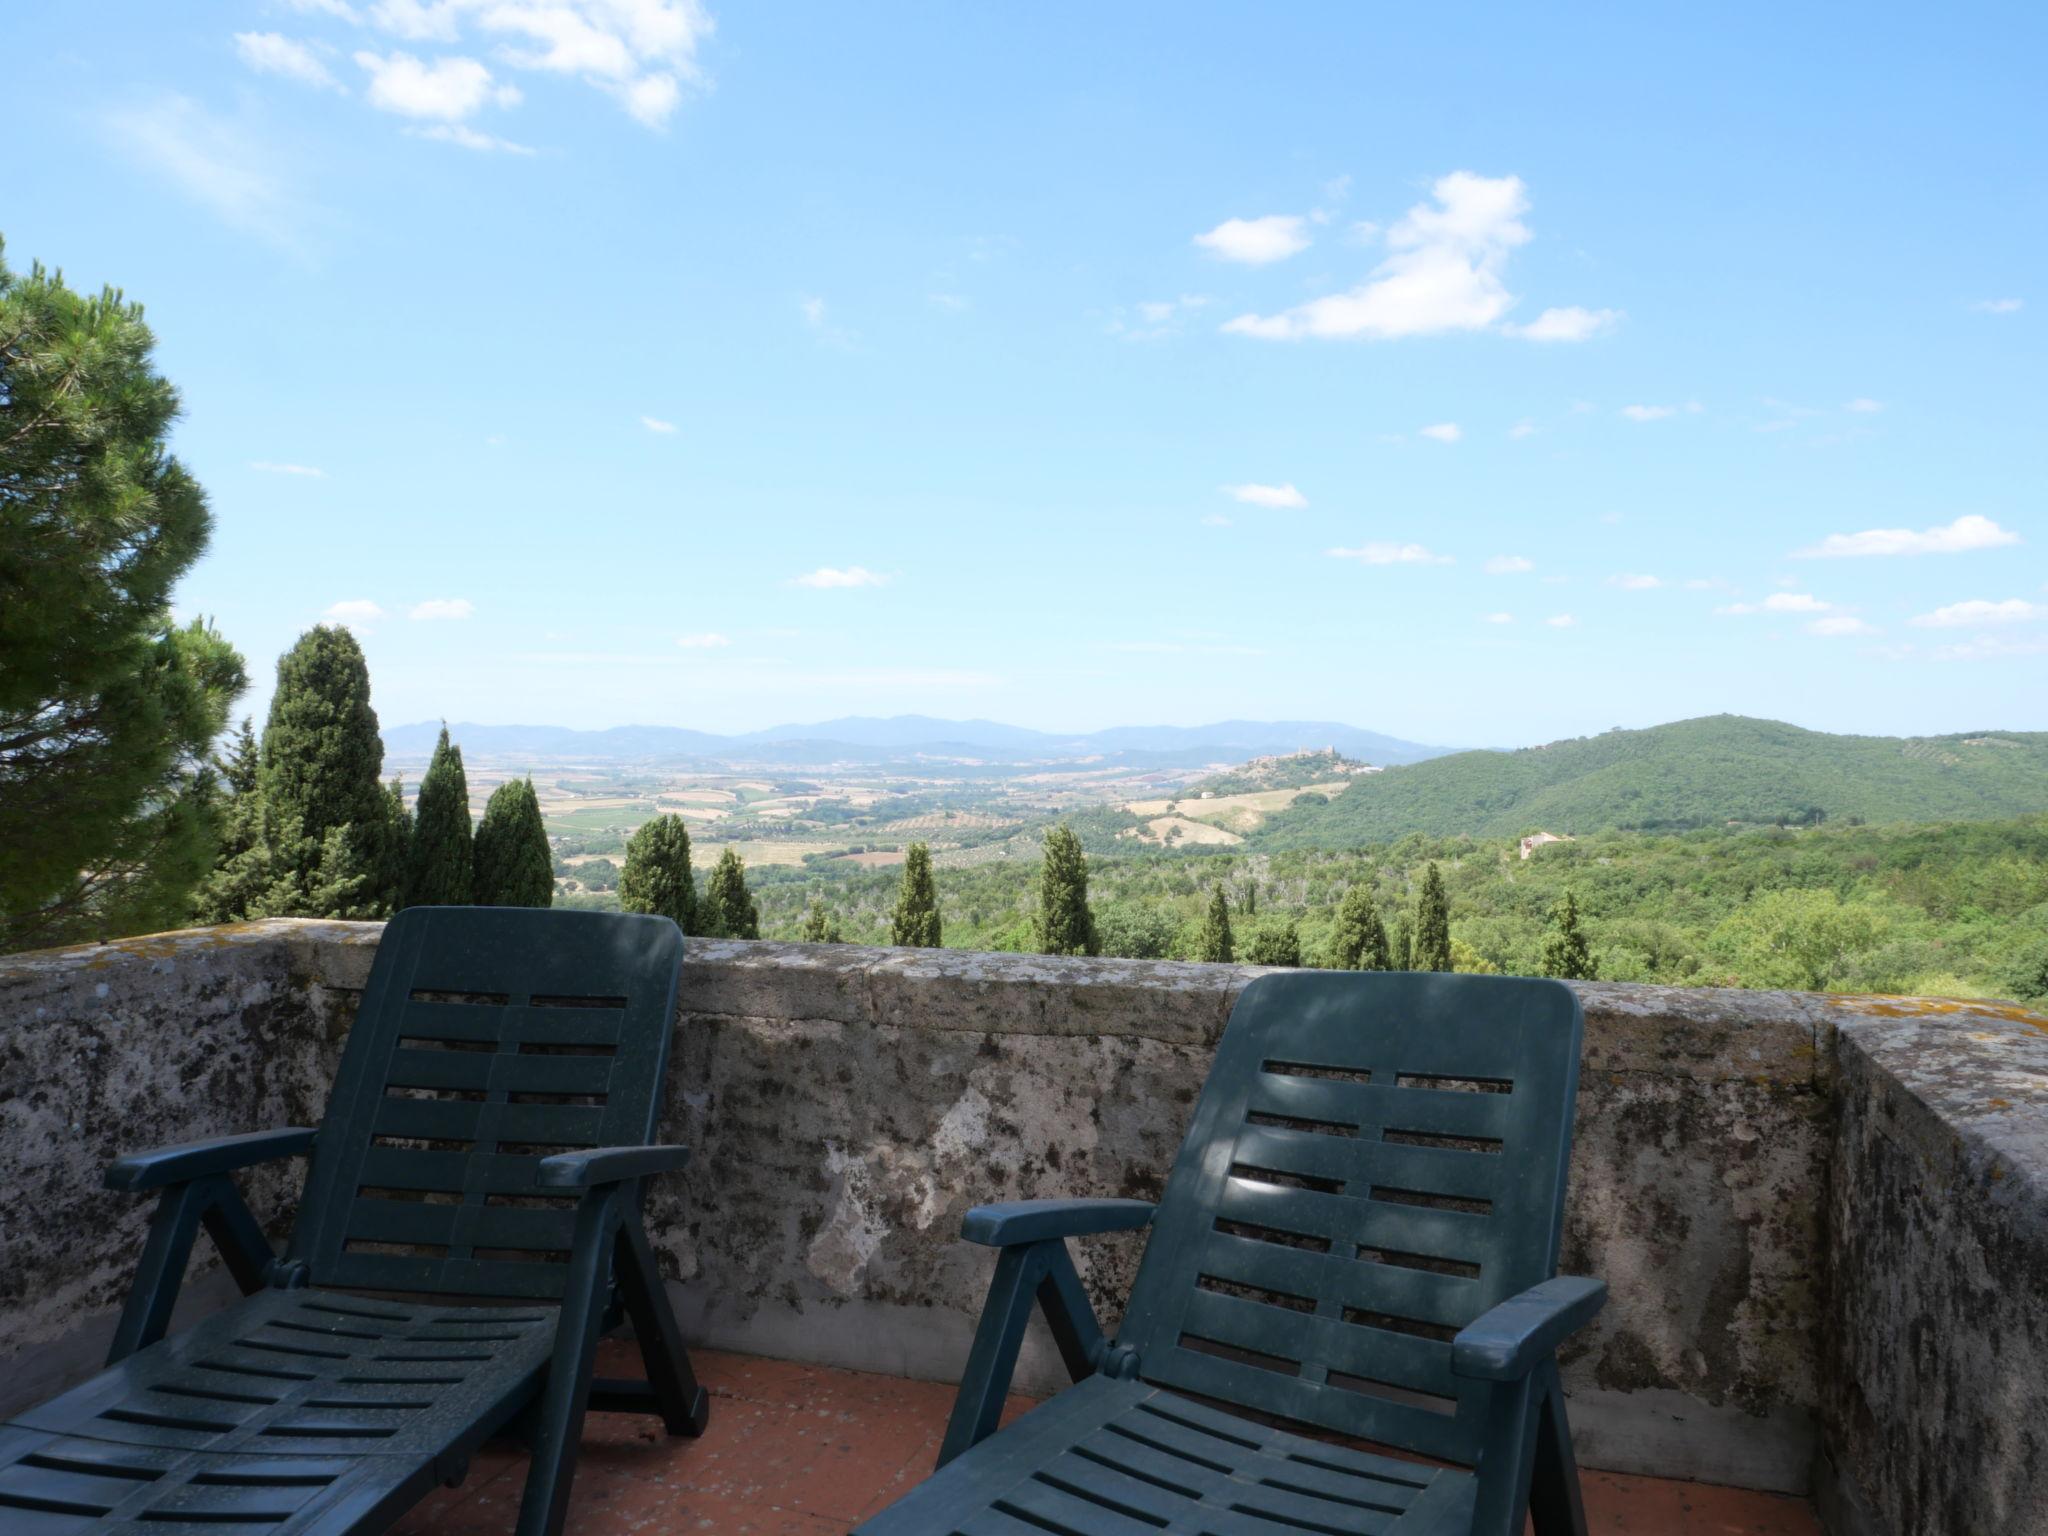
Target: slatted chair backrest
[[1375, 1160], [487, 1039]]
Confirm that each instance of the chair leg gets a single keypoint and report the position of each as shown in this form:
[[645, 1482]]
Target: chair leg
[[1555, 1503], [685, 1406], [1069, 1313], [160, 1271], [558, 1424], [993, 1359]]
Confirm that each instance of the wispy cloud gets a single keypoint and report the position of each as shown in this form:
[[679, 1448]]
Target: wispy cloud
[[1257, 242], [1509, 565], [817, 315], [1999, 306], [1500, 618], [1635, 583], [1990, 648], [307, 470], [826, 576], [710, 640], [1971, 532], [657, 426], [1276, 496], [470, 138], [1661, 412], [272, 53], [1442, 432], [435, 608], [1863, 405], [1570, 323], [223, 165], [1445, 272], [1388, 553], [1522, 429], [1561, 621], [1154, 319], [1838, 625], [1215, 520], [1780, 602], [1982, 613], [952, 303]]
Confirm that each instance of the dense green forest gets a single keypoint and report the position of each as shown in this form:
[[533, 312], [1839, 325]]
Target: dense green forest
[[1720, 770], [1958, 909]]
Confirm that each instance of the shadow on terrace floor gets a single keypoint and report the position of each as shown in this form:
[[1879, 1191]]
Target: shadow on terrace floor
[[800, 1450]]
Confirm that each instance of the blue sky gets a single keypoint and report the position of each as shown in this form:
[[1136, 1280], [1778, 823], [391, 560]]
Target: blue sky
[[1480, 376]]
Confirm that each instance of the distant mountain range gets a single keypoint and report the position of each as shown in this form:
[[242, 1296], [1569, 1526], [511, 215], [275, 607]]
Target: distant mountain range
[[865, 738], [1692, 773]]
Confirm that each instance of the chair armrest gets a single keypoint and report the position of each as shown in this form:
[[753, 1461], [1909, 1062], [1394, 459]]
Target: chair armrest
[[608, 1165], [1509, 1341], [140, 1171], [1034, 1221]]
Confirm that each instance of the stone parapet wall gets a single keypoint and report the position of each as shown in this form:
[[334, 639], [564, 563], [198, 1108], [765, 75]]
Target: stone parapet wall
[[1744, 1162]]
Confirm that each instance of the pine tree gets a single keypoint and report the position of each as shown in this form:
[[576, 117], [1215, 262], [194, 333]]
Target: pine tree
[[1432, 924], [656, 877], [441, 862], [234, 889], [108, 711], [1565, 952], [1361, 940], [915, 924], [729, 910], [1215, 944], [1065, 925], [326, 820], [514, 866], [1274, 942], [821, 924]]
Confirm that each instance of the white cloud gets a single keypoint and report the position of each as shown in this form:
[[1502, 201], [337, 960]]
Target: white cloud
[[1561, 621], [443, 608], [1863, 405], [1705, 584], [817, 317], [656, 425], [951, 302], [1967, 533], [1443, 432], [1215, 520], [1509, 565], [1999, 306], [1387, 553], [470, 138], [1781, 602], [448, 89], [1522, 429], [1256, 242], [339, 9], [1444, 271], [1154, 319], [306, 470], [1635, 583], [711, 640], [1284, 497], [222, 165], [354, 610], [1500, 618], [1989, 648], [1570, 323], [1838, 625], [1980, 613], [1648, 412], [417, 22], [271, 53], [826, 576]]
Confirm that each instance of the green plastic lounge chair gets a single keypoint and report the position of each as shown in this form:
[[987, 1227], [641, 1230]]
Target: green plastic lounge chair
[[484, 1142], [1358, 1239]]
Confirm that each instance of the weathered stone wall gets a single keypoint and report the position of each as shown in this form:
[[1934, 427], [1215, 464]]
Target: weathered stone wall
[[1936, 1363], [848, 1104]]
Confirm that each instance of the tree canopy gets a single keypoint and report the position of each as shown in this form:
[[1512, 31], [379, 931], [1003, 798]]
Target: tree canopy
[[915, 923], [1065, 924], [441, 860], [513, 866], [657, 877], [729, 910]]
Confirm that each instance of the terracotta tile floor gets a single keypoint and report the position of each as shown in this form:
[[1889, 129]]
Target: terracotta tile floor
[[801, 1450]]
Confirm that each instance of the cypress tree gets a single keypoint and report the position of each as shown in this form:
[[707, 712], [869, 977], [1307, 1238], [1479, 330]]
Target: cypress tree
[[729, 911], [1215, 944], [108, 711], [915, 924], [234, 889], [1361, 942], [441, 862], [1432, 924], [398, 846], [1565, 952], [656, 877], [1065, 925], [1402, 947], [326, 820], [514, 867], [821, 925]]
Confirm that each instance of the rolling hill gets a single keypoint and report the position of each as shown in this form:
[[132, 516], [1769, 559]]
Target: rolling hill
[[1713, 771]]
